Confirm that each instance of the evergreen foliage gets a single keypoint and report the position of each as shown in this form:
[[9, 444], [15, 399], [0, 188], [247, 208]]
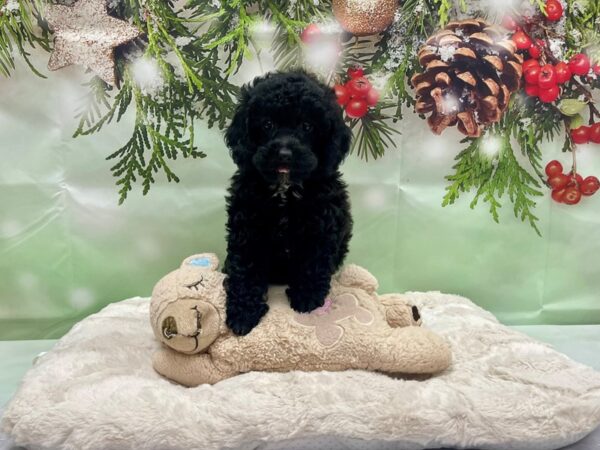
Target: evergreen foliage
[[199, 46]]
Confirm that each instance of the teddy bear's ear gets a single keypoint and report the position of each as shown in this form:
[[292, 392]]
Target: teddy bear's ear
[[208, 261], [358, 277]]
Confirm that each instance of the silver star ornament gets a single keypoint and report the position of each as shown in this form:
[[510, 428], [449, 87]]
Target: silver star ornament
[[84, 34]]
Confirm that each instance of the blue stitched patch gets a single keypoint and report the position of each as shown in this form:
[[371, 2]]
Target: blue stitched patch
[[200, 262]]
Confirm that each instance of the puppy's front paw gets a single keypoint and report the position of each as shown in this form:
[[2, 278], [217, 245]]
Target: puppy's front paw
[[305, 300], [241, 322]]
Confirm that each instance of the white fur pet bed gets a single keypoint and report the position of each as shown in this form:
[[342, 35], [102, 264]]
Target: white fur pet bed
[[96, 389]]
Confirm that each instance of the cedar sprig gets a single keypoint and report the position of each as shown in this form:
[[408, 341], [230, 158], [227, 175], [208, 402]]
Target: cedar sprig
[[492, 179], [18, 33], [163, 127], [166, 133]]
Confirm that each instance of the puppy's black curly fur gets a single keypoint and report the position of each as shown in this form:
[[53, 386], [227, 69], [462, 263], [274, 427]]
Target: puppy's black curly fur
[[288, 211]]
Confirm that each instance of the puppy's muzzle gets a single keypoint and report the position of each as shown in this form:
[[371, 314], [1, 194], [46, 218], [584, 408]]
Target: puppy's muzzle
[[284, 159]]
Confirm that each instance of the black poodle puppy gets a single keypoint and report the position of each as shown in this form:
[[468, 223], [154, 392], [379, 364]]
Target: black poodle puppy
[[288, 211]]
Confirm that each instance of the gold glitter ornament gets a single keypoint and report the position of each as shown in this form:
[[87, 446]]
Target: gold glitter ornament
[[365, 17], [86, 35]]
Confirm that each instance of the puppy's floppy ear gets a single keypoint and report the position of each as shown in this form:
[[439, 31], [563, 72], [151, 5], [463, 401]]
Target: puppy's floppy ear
[[236, 136], [340, 138]]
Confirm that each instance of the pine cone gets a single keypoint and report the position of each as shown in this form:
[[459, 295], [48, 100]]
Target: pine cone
[[471, 70]]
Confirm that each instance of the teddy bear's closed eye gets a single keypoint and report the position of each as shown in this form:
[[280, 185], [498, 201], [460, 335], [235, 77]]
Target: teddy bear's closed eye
[[196, 284]]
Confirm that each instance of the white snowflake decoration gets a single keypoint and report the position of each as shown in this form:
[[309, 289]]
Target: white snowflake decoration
[[10, 7], [147, 76], [447, 52]]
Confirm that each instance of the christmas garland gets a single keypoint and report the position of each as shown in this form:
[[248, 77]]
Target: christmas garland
[[174, 64]]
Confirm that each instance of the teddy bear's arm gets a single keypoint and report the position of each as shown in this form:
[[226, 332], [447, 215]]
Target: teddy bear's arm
[[189, 370], [399, 312], [359, 277]]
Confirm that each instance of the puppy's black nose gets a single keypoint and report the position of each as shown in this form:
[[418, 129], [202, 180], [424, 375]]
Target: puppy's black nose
[[285, 155]]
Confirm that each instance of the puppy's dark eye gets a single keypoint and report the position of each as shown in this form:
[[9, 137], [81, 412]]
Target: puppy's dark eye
[[268, 125], [307, 126]]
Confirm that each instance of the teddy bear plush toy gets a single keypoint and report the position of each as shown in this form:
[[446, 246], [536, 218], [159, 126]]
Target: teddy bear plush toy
[[354, 329]]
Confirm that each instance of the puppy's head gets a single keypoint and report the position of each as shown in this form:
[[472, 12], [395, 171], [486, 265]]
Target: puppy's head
[[288, 126]]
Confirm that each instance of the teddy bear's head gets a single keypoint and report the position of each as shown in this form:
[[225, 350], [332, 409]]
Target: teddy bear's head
[[187, 306]]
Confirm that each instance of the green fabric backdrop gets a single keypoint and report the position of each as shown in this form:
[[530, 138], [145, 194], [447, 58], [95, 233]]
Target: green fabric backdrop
[[67, 249]]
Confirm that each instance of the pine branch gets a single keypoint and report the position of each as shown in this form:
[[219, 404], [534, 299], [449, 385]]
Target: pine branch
[[498, 175], [397, 50], [373, 134], [91, 116], [18, 34], [230, 34], [289, 22], [161, 130], [199, 46], [287, 51], [164, 119], [444, 7]]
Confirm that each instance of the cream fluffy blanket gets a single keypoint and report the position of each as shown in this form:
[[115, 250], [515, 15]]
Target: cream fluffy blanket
[[96, 390]]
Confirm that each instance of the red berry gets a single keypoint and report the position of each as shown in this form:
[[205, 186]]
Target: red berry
[[590, 186], [596, 69], [559, 181], [558, 195], [554, 168], [532, 90], [521, 40], [372, 97], [355, 71], [554, 10], [595, 133], [356, 108], [310, 34], [342, 94], [358, 87], [509, 23], [547, 77], [535, 51], [575, 180], [528, 64], [549, 95], [580, 64], [581, 135], [532, 75], [563, 72], [572, 196]]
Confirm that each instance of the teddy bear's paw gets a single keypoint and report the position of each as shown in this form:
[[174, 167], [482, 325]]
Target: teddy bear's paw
[[416, 315], [399, 312], [242, 322], [305, 299]]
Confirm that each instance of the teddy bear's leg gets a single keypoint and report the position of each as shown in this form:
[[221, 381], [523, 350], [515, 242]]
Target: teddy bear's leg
[[411, 350], [189, 370], [399, 312]]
